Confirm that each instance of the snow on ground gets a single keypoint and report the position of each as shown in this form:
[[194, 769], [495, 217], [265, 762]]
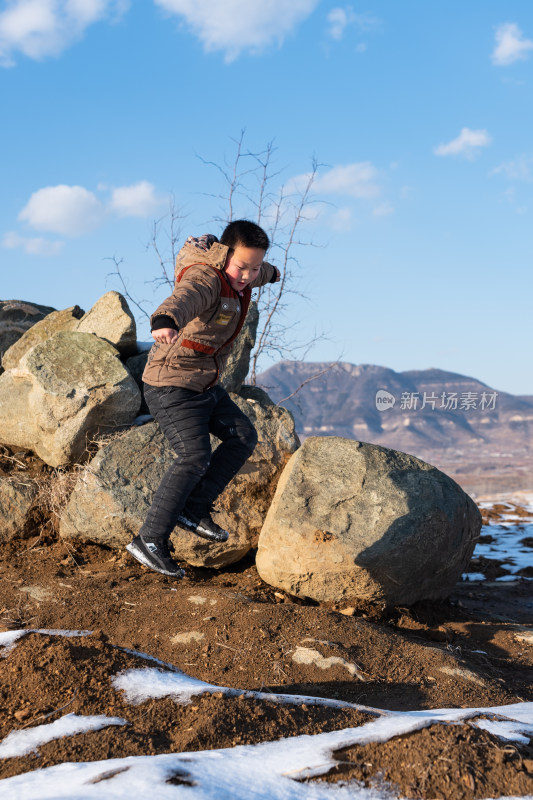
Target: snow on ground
[[143, 684], [20, 743], [508, 535], [266, 771], [8, 639]]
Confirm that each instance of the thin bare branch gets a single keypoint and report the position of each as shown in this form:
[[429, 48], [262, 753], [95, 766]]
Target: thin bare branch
[[125, 291], [308, 380]]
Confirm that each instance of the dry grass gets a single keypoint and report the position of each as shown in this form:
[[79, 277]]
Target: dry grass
[[53, 492]]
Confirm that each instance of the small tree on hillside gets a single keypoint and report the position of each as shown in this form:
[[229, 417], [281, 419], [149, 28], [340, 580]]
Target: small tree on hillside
[[251, 181]]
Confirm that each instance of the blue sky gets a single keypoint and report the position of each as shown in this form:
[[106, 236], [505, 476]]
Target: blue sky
[[419, 114]]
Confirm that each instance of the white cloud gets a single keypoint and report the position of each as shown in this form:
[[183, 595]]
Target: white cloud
[[383, 210], [68, 210], [338, 21], [41, 28], [341, 18], [518, 169], [466, 144], [74, 210], [138, 200], [33, 246], [342, 220], [237, 26], [510, 45], [354, 180]]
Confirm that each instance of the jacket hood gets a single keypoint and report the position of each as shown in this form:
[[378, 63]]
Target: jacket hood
[[204, 249]]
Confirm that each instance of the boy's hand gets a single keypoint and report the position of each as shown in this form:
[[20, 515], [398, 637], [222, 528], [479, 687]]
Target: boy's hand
[[165, 335]]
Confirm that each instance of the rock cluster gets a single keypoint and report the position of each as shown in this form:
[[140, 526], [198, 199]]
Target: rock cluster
[[73, 376], [348, 520], [114, 491]]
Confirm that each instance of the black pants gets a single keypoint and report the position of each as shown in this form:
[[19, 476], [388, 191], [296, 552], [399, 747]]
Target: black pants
[[187, 418]]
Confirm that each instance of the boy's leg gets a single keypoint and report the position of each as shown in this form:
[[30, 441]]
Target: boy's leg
[[183, 416], [239, 439]]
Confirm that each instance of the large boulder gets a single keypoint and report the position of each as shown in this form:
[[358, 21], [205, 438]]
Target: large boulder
[[65, 320], [16, 500], [16, 317], [112, 496], [114, 491], [111, 319], [352, 520], [63, 392]]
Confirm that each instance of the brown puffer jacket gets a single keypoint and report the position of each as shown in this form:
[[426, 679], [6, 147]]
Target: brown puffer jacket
[[208, 313]]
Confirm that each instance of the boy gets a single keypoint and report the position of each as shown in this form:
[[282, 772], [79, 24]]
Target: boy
[[194, 330]]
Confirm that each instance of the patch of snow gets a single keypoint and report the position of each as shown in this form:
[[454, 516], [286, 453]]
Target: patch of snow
[[20, 743], [473, 576], [507, 535], [511, 731], [524, 499], [143, 684], [8, 639], [267, 771]]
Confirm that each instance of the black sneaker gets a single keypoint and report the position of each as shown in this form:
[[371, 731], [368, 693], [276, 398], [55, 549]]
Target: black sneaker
[[155, 554], [202, 524]]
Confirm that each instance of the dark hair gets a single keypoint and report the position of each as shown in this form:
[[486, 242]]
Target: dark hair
[[245, 233]]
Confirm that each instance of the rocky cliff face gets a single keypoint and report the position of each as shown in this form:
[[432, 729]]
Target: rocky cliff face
[[454, 421]]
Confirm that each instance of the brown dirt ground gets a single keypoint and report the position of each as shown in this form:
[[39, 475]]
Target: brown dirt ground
[[456, 761], [466, 651]]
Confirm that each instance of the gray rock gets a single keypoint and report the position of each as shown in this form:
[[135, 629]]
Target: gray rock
[[65, 320], [113, 494], [111, 319], [16, 317], [16, 500], [114, 491], [135, 366], [63, 392], [355, 520], [238, 363]]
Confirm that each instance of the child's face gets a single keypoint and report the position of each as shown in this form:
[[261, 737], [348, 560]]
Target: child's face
[[243, 265]]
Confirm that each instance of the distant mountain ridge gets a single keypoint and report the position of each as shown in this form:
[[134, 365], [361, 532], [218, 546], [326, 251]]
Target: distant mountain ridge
[[437, 415]]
